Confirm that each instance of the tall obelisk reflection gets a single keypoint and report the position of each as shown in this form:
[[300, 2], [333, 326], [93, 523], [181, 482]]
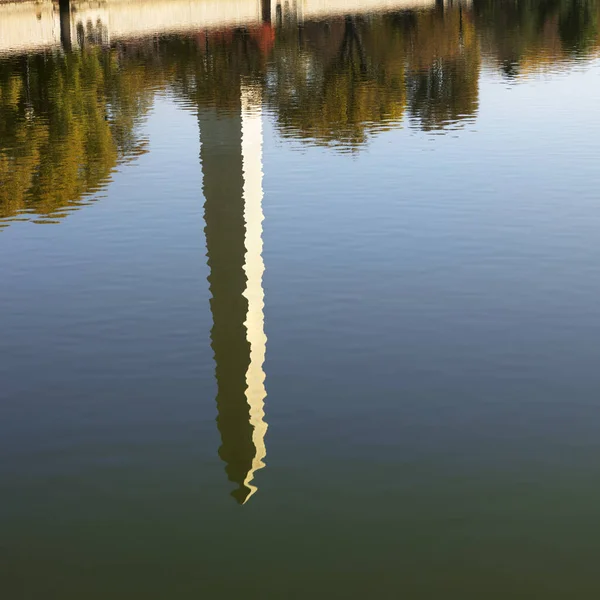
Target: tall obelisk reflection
[[231, 156], [254, 268]]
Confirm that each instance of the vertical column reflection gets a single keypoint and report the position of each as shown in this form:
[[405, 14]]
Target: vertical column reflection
[[64, 7], [254, 268], [231, 156]]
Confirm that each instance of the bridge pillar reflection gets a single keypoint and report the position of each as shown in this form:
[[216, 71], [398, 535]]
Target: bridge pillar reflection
[[265, 10], [64, 7]]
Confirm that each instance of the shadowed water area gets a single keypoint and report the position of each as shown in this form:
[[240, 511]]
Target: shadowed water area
[[299, 300]]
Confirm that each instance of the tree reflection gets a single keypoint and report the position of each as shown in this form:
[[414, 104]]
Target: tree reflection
[[344, 79], [530, 35], [68, 119], [66, 122], [578, 25], [444, 69]]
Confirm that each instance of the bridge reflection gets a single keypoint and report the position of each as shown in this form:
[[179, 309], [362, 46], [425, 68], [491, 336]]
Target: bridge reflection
[[27, 26]]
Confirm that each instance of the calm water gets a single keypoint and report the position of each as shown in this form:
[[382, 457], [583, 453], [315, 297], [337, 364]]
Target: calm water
[[300, 301]]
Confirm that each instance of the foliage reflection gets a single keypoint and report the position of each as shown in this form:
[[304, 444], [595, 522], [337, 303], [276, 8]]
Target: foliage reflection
[[67, 119]]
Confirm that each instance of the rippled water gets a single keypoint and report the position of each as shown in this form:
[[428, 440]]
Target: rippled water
[[300, 300]]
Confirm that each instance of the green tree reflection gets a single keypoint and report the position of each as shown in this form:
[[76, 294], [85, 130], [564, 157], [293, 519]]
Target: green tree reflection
[[526, 35], [66, 122], [68, 119]]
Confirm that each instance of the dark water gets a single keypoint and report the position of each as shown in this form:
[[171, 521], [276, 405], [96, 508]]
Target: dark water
[[300, 307]]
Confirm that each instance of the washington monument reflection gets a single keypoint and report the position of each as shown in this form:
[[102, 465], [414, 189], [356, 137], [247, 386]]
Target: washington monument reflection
[[231, 156]]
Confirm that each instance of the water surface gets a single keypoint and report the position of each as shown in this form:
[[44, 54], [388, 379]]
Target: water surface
[[299, 300]]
